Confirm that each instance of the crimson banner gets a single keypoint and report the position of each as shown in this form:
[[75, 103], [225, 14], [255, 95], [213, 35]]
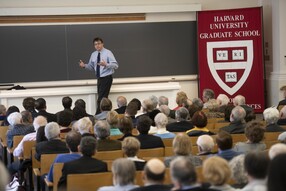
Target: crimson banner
[[230, 47]]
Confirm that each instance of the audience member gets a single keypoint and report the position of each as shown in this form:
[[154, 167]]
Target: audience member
[[161, 121], [130, 148], [67, 103], [223, 102], [54, 144], [271, 116], [278, 148], [254, 133], [146, 140], [112, 120], [256, 166], [282, 137], [29, 105], [211, 109], [208, 95], [16, 128], [180, 99], [138, 103], [227, 113], [102, 132], [154, 100], [149, 110], [184, 177], [198, 103], [72, 140], [84, 126], [131, 111], [182, 147], [81, 103], [282, 102], [216, 171], [200, 122], [277, 173], [224, 143], [205, 145], [237, 123], [41, 107], [125, 126], [166, 110], [27, 118], [124, 173], [121, 104], [105, 107], [239, 100], [37, 123], [2, 112], [182, 125], [238, 172], [91, 165], [64, 120], [153, 176], [10, 110], [282, 119]]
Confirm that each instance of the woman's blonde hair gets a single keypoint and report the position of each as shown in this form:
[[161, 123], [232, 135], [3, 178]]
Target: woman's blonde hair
[[182, 144], [216, 171]]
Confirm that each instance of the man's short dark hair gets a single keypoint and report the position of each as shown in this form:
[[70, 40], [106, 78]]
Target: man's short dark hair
[[105, 104], [254, 132], [143, 124], [64, 118], [138, 102], [96, 39], [256, 164], [67, 102], [131, 109], [29, 103], [199, 119], [80, 103], [78, 113], [73, 139], [224, 140], [40, 104], [88, 146]]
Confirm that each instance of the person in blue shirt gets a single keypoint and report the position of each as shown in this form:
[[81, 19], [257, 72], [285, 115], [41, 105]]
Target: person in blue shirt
[[103, 63]]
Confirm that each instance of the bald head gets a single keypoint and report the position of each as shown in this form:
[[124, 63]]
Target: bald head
[[154, 171], [121, 101]]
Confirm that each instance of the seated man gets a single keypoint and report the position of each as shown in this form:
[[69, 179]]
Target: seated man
[[121, 103], [85, 164], [102, 132], [271, 116], [147, 141], [282, 116], [237, 123], [40, 105], [182, 124], [224, 143], [72, 140], [184, 175], [16, 128], [153, 176], [240, 100], [54, 144]]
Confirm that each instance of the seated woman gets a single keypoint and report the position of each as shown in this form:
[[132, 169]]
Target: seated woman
[[130, 148], [182, 147], [205, 145], [217, 172], [254, 133], [200, 122], [161, 120], [112, 120], [125, 126], [124, 174]]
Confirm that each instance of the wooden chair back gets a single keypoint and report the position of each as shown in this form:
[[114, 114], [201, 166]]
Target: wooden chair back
[[87, 182], [156, 152], [57, 174], [271, 136], [46, 162], [3, 138], [108, 155], [238, 138], [168, 142], [169, 151], [27, 149]]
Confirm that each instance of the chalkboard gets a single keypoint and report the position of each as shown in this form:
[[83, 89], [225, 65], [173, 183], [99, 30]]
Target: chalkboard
[[52, 52]]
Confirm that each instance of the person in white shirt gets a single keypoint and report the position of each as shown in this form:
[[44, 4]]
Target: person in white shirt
[[38, 122]]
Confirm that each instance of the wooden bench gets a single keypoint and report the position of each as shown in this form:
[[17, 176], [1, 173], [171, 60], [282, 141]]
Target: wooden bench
[[108, 155], [155, 152], [3, 142]]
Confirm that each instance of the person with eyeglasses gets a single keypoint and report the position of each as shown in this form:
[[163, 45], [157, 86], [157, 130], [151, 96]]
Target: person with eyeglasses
[[103, 63]]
